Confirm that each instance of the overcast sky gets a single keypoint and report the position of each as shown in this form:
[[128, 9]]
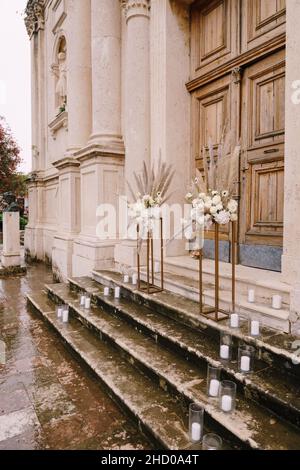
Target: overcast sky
[[15, 75]]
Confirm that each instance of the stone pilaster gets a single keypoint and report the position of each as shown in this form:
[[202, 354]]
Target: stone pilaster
[[136, 110], [291, 238], [106, 75], [79, 98]]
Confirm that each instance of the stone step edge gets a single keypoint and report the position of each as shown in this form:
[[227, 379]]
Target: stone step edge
[[194, 321], [282, 314], [286, 410], [209, 271], [143, 424], [228, 424]]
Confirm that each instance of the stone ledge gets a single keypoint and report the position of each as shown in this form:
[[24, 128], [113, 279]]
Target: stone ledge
[[12, 271]]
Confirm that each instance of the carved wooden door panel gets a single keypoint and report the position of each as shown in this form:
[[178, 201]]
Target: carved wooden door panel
[[263, 93], [238, 80]]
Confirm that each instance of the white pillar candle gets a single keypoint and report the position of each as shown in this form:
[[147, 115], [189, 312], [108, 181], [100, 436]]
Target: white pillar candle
[[59, 312], [156, 267], [106, 291], [234, 320], [87, 303], [226, 403], [126, 278], [134, 279], [277, 302], [117, 292], [214, 388], [65, 316], [251, 295], [224, 351], [82, 300], [196, 432], [254, 327], [245, 363]]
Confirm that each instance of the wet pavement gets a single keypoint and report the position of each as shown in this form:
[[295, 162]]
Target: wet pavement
[[47, 399]]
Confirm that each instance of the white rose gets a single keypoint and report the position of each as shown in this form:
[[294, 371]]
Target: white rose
[[233, 217], [207, 203], [216, 200], [213, 210], [208, 221], [232, 205], [214, 193], [202, 196], [189, 196], [222, 218], [195, 202], [219, 207]]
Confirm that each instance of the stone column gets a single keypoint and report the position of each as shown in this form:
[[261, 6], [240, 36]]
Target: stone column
[[136, 112], [291, 237], [78, 74], [106, 74], [11, 240], [137, 86]]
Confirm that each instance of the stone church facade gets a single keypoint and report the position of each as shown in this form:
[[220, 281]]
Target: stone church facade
[[116, 83]]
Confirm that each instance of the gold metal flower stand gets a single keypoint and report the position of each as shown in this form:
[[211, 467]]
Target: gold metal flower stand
[[219, 314], [149, 286]]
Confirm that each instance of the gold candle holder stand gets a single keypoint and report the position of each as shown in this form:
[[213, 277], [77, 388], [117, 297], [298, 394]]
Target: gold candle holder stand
[[149, 286], [219, 314]]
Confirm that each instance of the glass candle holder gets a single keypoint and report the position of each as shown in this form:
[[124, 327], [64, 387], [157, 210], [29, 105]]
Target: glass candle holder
[[126, 278], [227, 396], [277, 302], [117, 292], [251, 296], [225, 346], [195, 422], [246, 357], [234, 320], [213, 381], [65, 314], [59, 311], [87, 303], [106, 291], [82, 298], [212, 442], [134, 278], [254, 327]]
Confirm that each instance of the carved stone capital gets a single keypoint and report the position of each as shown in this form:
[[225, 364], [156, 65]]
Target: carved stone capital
[[136, 8], [34, 16]]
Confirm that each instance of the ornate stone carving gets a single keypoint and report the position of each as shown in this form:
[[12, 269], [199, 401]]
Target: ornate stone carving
[[136, 8], [237, 73], [34, 16]]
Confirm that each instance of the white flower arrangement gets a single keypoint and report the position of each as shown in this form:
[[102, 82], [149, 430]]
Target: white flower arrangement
[[215, 207]]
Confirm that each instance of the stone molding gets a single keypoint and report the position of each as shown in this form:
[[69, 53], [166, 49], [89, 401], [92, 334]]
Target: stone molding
[[61, 121], [136, 8], [34, 16]]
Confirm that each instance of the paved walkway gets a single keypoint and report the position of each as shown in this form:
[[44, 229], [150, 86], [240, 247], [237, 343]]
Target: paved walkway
[[47, 400]]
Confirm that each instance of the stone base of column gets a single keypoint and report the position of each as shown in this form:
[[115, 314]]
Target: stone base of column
[[10, 260], [62, 251], [89, 255], [102, 147]]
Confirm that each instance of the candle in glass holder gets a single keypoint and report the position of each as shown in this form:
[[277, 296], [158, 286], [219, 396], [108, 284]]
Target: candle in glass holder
[[226, 403], [251, 295], [195, 422], [196, 432], [156, 267], [245, 363], [82, 300], [59, 311], [214, 388], [87, 304], [134, 279], [117, 292], [254, 328], [65, 315], [126, 278], [277, 302], [234, 320], [224, 351], [212, 442], [106, 291]]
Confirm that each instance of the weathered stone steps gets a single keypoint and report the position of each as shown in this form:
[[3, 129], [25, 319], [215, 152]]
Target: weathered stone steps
[[162, 418], [249, 423], [273, 347]]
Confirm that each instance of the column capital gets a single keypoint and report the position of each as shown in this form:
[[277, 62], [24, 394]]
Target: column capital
[[34, 16], [136, 8]]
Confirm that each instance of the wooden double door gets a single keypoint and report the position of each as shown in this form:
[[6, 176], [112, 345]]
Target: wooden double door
[[238, 82]]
